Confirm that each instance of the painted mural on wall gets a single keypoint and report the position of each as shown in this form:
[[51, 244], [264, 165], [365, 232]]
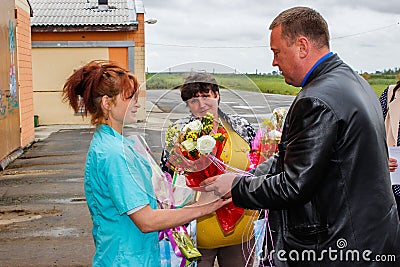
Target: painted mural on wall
[[2, 106], [9, 98], [13, 98]]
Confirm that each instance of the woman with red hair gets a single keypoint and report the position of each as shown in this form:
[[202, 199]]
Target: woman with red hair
[[118, 186]]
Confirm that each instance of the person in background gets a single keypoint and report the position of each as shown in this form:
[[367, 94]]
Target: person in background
[[201, 93], [390, 102], [328, 190], [117, 180]]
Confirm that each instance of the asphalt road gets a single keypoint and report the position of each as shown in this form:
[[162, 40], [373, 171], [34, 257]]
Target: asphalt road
[[166, 106], [44, 220]]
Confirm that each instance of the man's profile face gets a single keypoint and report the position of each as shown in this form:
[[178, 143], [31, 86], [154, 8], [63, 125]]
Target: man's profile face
[[285, 57]]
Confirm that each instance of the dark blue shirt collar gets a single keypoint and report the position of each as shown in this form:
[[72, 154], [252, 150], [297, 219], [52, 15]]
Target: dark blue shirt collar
[[313, 68]]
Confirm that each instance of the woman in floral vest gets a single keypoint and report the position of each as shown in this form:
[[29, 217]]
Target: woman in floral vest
[[201, 93]]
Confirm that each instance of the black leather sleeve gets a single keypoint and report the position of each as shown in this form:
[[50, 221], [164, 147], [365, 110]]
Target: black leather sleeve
[[310, 140]]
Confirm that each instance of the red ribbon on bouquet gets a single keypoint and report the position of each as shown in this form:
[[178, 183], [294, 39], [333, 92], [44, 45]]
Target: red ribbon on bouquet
[[229, 214]]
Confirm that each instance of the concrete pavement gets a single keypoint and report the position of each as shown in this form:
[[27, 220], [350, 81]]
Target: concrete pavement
[[44, 220]]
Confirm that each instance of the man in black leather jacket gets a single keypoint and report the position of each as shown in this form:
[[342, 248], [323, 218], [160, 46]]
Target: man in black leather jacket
[[328, 190]]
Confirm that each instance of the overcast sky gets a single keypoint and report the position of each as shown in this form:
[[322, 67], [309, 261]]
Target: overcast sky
[[365, 34]]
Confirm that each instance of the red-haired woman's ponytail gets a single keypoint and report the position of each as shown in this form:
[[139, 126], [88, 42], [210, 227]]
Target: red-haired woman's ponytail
[[85, 87]]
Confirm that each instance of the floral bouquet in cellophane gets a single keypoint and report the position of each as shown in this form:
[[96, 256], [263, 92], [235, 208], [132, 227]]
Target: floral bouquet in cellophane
[[268, 136], [177, 239], [195, 153], [192, 147]]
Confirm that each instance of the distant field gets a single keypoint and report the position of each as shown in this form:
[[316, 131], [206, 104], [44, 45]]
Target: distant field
[[380, 82], [251, 82]]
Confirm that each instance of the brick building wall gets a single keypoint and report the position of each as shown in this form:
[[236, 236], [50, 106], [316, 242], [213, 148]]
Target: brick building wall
[[140, 71], [24, 59]]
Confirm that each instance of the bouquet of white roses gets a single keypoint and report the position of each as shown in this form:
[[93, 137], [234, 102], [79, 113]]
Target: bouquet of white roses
[[190, 147], [196, 154], [196, 138]]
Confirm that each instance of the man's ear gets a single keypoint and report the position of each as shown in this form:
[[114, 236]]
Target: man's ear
[[105, 102], [304, 46]]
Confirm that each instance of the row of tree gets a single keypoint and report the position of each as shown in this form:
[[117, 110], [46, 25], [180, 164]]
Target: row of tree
[[394, 71]]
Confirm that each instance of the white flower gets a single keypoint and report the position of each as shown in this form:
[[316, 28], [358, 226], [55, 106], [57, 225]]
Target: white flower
[[195, 126], [205, 144], [274, 135], [189, 145]]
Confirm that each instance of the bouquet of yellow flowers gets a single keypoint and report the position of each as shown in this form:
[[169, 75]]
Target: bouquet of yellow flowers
[[196, 137], [190, 149], [195, 152]]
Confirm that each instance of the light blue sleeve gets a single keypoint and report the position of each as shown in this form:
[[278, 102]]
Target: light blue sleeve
[[126, 184]]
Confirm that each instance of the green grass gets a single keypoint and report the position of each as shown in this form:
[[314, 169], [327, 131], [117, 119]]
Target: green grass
[[163, 80], [273, 84], [380, 82], [252, 82]]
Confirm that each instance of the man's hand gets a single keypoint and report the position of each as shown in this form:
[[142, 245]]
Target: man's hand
[[392, 164], [209, 197], [221, 185]]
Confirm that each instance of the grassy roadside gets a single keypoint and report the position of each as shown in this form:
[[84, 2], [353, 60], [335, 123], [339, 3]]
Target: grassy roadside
[[380, 82], [273, 84]]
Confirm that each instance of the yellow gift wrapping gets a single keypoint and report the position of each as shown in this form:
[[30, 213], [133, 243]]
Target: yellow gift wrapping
[[209, 233]]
